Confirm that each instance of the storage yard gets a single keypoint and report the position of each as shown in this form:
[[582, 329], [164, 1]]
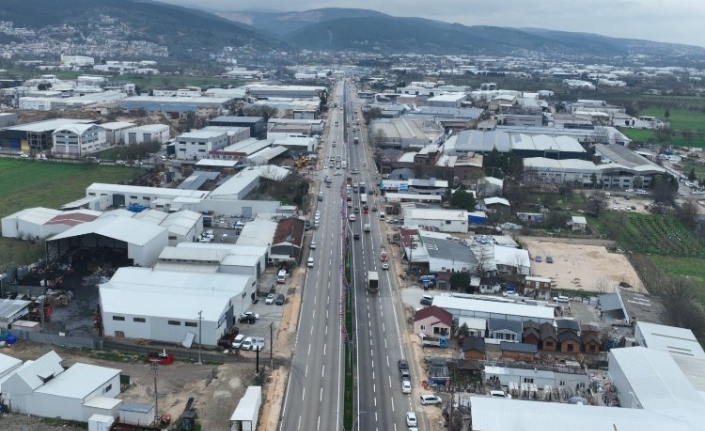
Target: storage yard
[[588, 267]]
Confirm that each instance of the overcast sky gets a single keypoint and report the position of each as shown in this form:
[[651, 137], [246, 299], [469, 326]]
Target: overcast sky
[[678, 21]]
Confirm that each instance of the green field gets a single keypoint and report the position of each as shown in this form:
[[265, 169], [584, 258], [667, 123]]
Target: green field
[[688, 128], [683, 266], [679, 119], [146, 83], [27, 184]]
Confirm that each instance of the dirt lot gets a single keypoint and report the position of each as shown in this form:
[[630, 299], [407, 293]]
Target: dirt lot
[[580, 266]]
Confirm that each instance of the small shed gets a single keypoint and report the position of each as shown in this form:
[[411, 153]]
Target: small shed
[[518, 351], [577, 224], [591, 342], [132, 413], [100, 422], [246, 413], [549, 338], [532, 332], [474, 348]]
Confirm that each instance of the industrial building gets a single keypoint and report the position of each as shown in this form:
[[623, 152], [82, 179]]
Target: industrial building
[[235, 134], [175, 107], [147, 133], [262, 91], [404, 134], [78, 140], [447, 100], [173, 306], [34, 137], [198, 144], [523, 145], [42, 222], [620, 166], [137, 242], [119, 195], [115, 132], [249, 260], [241, 150], [257, 126], [44, 388], [670, 339], [575, 171], [461, 306], [241, 184]]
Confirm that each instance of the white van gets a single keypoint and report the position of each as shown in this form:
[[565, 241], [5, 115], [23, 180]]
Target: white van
[[562, 299], [310, 262], [281, 277], [237, 342]]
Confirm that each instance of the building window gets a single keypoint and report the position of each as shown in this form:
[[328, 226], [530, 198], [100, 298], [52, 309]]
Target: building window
[[528, 380], [174, 322], [191, 324], [423, 327], [139, 319], [119, 318], [107, 388], [172, 238], [561, 383]]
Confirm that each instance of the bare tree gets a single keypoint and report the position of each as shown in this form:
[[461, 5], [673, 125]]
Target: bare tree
[[485, 260]]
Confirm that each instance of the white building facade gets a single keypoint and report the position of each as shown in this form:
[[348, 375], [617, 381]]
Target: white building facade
[[78, 140], [198, 144], [148, 133], [443, 220]]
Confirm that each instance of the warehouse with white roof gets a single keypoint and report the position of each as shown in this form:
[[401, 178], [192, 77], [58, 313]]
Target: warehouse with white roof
[[238, 259], [136, 241], [670, 339], [460, 306], [144, 303]]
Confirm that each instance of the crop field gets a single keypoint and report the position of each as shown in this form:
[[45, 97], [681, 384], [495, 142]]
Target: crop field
[[659, 235], [150, 82], [679, 119], [27, 183]]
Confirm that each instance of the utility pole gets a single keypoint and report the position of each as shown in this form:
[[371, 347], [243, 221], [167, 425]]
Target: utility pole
[[271, 347], [155, 371], [200, 331]]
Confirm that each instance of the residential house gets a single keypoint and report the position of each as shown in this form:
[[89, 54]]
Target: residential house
[[477, 327], [565, 325], [538, 287], [531, 333], [518, 351], [433, 321], [494, 205], [474, 348], [78, 140], [577, 224], [505, 330], [489, 285], [443, 280], [549, 337]]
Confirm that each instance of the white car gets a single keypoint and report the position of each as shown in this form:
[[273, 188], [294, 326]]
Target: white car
[[270, 299], [250, 313], [352, 217], [313, 245], [337, 173], [309, 263], [411, 419], [318, 214], [405, 387], [385, 266], [430, 400]]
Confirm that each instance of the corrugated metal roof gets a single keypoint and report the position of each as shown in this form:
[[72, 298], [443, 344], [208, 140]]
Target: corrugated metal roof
[[494, 307], [120, 228], [495, 414], [677, 341], [79, 381]]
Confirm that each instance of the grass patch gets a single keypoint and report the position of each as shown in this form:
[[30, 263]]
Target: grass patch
[[639, 135], [150, 82], [682, 266], [680, 119], [27, 184]]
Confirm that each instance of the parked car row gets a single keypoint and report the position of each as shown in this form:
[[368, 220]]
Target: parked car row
[[279, 299], [243, 342]]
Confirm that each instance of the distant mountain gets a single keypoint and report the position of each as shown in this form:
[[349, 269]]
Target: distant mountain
[[186, 32], [283, 23], [371, 31]]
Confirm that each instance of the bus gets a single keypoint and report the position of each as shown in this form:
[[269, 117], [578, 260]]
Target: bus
[[373, 281]]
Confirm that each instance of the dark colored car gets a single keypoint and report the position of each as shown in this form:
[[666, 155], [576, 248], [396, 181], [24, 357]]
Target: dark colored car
[[248, 319], [403, 365], [281, 299]]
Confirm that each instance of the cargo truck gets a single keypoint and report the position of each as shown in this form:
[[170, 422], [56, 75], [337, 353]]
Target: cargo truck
[[372, 281]]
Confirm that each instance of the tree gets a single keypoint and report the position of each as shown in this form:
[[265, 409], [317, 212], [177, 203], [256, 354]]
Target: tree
[[485, 260], [460, 281], [667, 114], [691, 175], [462, 199], [380, 138], [264, 111], [688, 213], [593, 179], [665, 188], [638, 181], [235, 107]]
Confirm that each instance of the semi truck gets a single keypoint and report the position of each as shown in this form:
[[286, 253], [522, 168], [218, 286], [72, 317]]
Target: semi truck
[[373, 281]]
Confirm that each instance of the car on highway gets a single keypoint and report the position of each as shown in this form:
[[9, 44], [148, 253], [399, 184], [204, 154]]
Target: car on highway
[[352, 217], [403, 365], [270, 299], [337, 173], [356, 210], [309, 263], [355, 171], [429, 399], [411, 419], [405, 386], [313, 245], [281, 299], [385, 266], [334, 143]]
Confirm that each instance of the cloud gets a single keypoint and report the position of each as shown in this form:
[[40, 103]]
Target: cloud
[[678, 21]]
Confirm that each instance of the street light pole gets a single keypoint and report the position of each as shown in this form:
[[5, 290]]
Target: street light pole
[[200, 321]]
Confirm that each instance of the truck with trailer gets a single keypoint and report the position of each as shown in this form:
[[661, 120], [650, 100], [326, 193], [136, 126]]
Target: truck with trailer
[[372, 281]]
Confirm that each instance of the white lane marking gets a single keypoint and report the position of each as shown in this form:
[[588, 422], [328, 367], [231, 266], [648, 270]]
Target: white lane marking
[[374, 389], [373, 375], [383, 330], [309, 350], [298, 427], [306, 372], [323, 372], [387, 357], [324, 349], [385, 346], [390, 381], [303, 395], [326, 330], [320, 397], [319, 423], [311, 330], [313, 317]]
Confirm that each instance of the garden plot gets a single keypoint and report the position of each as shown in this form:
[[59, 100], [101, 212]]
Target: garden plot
[[662, 235], [578, 266]]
